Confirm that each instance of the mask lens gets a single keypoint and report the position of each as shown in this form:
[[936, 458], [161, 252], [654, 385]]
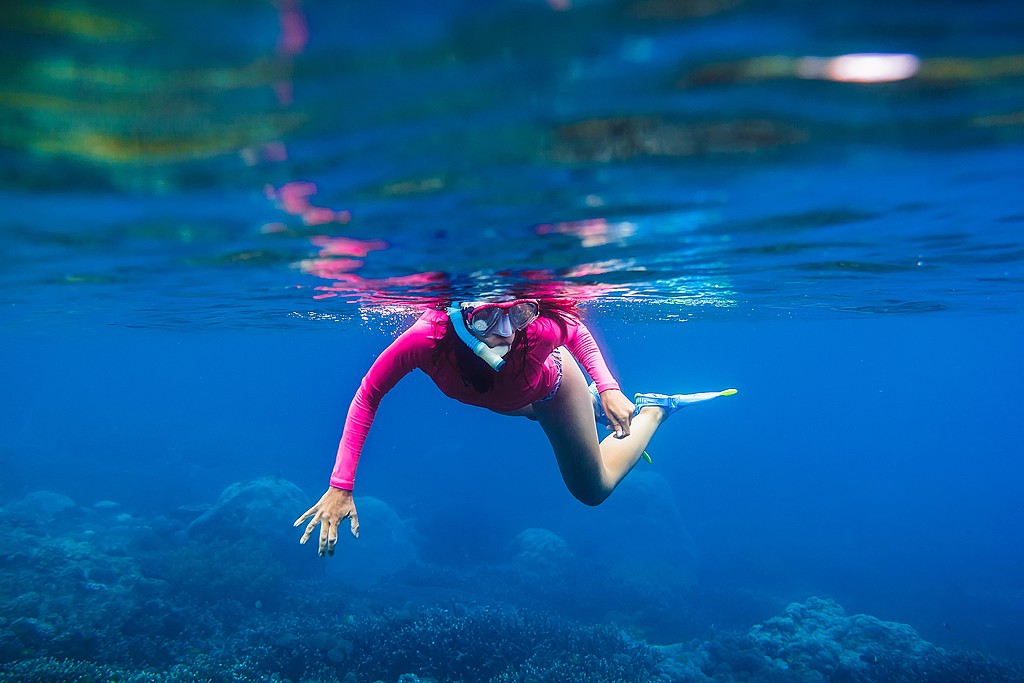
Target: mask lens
[[502, 320], [484, 318], [522, 314]]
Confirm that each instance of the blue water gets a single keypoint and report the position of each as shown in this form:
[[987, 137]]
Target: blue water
[[215, 216]]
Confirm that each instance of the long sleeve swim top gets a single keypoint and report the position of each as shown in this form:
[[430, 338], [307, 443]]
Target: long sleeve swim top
[[517, 384]]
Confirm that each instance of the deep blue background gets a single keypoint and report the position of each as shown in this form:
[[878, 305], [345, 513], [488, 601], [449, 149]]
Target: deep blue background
[[876, 460], [855, 269]]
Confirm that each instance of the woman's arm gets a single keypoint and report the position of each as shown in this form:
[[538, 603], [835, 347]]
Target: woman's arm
[[337, 505], [582, 346], [394, 363], [617, 408]]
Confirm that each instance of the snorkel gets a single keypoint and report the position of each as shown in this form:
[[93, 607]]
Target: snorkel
[[493, 357]]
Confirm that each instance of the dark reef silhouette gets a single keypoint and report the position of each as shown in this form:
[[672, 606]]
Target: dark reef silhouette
[[99, 594]]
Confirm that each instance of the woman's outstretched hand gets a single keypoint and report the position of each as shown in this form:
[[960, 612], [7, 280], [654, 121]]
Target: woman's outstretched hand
[[333, 507], [619, 411]]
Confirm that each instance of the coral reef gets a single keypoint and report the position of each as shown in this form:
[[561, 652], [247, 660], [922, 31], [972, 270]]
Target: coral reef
[[494, 645], [263, 508], [639, 529], [385, 546], [241, 571], [539, 550], [109, 596], [39, 506], [817, 642], [268, 504], [63, 587]]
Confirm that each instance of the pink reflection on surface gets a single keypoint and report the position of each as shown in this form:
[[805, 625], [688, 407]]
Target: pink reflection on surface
[[337, 257], [433, 290], [294, 30], [599, 268], [378, 289], [292, 41], [329, 269], [293, 198], [544, 284], [593, 232], [328, 265], [347, 246], [275, 151], [318, 215]]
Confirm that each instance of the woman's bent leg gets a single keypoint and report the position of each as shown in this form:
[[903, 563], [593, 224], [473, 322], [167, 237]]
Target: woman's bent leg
[[591, 470], [525, 411]]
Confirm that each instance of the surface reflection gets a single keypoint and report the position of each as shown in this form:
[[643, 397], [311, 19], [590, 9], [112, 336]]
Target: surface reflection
[[595, 232], [624, 138], [703, 151], [294, 198], [859, 68], [73, 92]]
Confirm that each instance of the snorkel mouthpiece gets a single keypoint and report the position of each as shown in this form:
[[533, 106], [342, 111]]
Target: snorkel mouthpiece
[[492, 357]]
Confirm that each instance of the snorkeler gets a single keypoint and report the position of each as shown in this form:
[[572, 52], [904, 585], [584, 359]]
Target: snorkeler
[[508, 357]]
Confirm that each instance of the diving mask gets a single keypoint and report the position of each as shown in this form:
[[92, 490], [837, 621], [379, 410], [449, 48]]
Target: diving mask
[[502, 319]]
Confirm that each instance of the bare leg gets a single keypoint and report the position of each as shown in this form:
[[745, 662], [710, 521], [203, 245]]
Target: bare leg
[[525, 411], [591, 470]]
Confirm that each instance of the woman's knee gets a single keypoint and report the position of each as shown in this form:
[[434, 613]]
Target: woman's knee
[[591, 496]]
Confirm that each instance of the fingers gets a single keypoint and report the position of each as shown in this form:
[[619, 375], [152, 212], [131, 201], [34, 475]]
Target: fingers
[[332, 538], [309, 528], [627, 423], [619, 411], [354, 520], [305, 515], [325, 533], [620, 424], [328, 518]]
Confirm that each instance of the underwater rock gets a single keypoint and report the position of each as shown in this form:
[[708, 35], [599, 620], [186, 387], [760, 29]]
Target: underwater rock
[[288, 641], [539, 550], [384, 545], [246, 571], [341, 651], [679, 665], [260, 513], [39, 506], [262, 509], [816, 641], [264, 505], [33, 632], [187, 514], [818, 635], [639, 529]]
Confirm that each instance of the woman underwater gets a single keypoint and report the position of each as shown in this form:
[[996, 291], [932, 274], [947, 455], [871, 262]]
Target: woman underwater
[[509, 357]]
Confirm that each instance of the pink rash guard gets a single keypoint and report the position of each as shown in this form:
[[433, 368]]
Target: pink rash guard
[[514, 386]]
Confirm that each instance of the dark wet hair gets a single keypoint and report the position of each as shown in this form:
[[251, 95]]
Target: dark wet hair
[[475, 371]]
